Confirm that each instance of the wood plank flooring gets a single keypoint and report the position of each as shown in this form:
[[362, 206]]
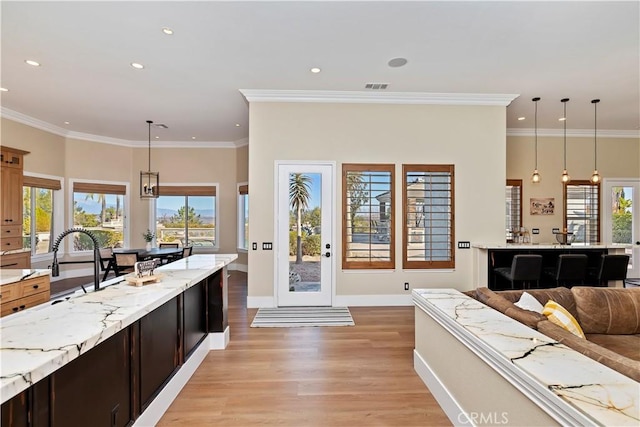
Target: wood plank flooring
[[313, 376]]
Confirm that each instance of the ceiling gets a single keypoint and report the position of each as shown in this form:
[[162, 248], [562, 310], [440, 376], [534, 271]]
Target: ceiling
[[192, 79]]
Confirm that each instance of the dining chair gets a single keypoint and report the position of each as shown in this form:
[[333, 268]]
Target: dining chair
[[613, 267], [168, 245], [123, 262], [525, 268], [106, 261], [570, 270], [186, 251]]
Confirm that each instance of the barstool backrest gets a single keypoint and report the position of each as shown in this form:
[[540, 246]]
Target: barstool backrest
[[526, 267], [572, 267], [613, 267]]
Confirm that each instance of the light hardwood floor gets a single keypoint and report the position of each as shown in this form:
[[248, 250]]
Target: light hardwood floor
[[324, 376]]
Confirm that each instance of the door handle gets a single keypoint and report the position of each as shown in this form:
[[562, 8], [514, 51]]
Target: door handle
[[327, 254], [328, 246]]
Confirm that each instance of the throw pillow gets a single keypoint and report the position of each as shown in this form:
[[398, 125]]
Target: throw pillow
[[560, 316], [528, 302]]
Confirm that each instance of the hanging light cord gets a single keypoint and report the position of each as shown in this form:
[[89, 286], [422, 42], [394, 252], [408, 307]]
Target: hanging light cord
[[149, 150], [564, 102], [535, 124], [595, 132]]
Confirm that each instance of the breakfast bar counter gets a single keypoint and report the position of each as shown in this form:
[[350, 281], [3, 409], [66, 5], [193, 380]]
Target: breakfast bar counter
[[50, 341]]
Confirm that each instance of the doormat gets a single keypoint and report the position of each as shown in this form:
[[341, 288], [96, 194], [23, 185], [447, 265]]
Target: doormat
[[293, 317]]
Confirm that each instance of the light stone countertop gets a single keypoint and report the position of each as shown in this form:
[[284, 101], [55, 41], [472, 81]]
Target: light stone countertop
[[12, 275], [530, 246], [38, 341], [600, 393]]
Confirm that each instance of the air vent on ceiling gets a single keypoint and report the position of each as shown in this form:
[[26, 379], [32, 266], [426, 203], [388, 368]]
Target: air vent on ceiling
[[376, 86], [161, 125]]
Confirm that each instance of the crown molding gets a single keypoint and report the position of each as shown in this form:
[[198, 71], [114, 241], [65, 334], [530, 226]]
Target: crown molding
[[56, 130], [574, 133], [361, 97]]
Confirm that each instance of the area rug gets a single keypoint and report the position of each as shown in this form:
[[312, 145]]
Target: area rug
[[292, 317]]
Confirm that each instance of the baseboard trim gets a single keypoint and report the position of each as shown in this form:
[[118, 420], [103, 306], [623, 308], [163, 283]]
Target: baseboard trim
[[372, 300], [219, 340], [157, 408], [261, 302], [447, 402]]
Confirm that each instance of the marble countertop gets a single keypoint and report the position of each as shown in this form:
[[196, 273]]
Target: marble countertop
[[12, 275], [37, 341], [528, 246], [594, 390]]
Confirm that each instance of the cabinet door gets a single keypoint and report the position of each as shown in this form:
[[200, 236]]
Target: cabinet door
[[11, 199]]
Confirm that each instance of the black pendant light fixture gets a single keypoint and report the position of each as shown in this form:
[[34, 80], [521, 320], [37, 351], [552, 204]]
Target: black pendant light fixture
[[535, 178], [565, 175], [595, 178], [149, 181]]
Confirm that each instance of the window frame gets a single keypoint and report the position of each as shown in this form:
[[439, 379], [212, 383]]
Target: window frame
[[97, 184], [427, 264], [368, 265], [243, 202], [57, 216], [565, 216], [192, 190], [515, 183]]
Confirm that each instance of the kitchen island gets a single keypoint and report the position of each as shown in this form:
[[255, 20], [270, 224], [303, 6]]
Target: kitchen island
[[105, 357], [487, 257]]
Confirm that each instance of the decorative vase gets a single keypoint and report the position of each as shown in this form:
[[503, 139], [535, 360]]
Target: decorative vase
[[148, 247]]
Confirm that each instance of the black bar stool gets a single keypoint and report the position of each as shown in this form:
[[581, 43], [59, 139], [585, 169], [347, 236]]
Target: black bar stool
[[613, 267], [571, 269], [525, 268]]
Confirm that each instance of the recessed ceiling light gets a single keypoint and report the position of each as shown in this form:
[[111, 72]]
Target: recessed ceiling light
[[157, 137], [397, 62], [137, 66], [237, 125], [32, 62], [168, 31], [4, 89], [315, 70], [521, 118], [193, 137], [66, 123], [562, 119]]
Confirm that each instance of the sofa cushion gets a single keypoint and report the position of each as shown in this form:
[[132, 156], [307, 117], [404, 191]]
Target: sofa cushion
[[497, 302], [528, 302], [560, 316], [612, 311], [615, 361], [561, 295], [625, 345]]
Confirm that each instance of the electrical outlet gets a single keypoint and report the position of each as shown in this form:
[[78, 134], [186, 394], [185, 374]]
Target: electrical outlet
[[464, 245], [535, 231], [555, 230], [267, 246], [254, 246], [406, 286]]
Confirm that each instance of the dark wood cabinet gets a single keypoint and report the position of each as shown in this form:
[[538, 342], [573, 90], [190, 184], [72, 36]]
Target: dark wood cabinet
[[15, 410], [218, 302], [95, 388], [194, 317], [159, 349]]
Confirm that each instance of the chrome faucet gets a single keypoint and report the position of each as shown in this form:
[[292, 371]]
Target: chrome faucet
[[55, 268]]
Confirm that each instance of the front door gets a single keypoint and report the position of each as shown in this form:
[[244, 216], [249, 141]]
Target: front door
[[621, 202], [304, 274]]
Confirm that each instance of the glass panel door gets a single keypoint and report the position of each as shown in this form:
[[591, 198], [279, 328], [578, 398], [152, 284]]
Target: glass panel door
[[622, 219], [305, 247]]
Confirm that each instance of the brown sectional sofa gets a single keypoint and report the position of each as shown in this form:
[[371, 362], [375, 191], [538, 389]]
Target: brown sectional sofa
[[609, 318]]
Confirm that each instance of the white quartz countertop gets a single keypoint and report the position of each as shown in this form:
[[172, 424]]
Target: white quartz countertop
[[37, 341], [530, 246], [12, 275], [593, 390]]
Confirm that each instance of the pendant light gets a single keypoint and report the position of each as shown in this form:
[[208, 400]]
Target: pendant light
[[535, 178], [595, 178], [565, 175], [149, 181]]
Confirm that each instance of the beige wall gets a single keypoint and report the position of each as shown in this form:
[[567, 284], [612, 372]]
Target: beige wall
[[242, 175], [471, 137], [617, 158], [68, 158]]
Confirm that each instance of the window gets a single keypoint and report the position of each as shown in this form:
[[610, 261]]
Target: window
[[243, 216], [187, 214], [513, 212], [98, 208], [582, 211], [37, 222], [428, 217], [368, 216]]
